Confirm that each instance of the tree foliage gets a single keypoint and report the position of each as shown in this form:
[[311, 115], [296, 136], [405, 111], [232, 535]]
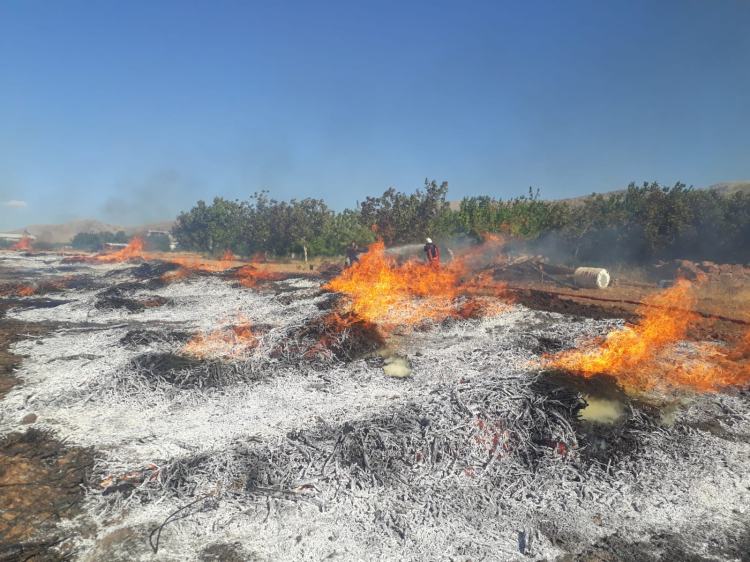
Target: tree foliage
[[399, 218], [91, 241], [643, 224]]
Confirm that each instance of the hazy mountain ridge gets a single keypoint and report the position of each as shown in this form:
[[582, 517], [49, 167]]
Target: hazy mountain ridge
[[59, 233], [725, 188]]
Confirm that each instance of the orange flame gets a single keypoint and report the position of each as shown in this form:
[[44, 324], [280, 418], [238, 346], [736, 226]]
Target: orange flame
[[227, 261], [384, 292], [133, 250], [249, 276], [389, 294], [26, 291], [229, 342], [24, 243], [643, 357]]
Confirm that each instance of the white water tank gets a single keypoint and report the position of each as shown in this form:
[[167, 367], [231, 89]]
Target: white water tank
[[591, 277]]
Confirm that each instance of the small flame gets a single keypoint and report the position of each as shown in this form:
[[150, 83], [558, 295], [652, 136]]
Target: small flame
[[133, 250], [26, 291], [25, 243], [249, 275], [229, 342]]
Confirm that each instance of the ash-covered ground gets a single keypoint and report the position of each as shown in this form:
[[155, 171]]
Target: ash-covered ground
[[301, 447]]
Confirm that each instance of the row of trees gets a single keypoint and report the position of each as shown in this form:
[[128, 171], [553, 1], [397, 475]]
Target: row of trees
[[93, 241], [643, 224], [268, 226]]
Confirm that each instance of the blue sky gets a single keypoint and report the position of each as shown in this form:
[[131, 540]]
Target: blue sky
[[129, 112]]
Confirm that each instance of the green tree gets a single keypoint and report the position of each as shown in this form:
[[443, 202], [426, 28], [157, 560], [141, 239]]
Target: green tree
[[399, 218]]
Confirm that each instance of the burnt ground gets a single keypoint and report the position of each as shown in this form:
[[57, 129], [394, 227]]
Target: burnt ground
[[705, 329], [42, 482], [664, 547], [541, 300], [41, 479], [10, 332]]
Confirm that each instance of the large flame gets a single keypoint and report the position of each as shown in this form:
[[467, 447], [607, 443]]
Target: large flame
[[388, 294], [24, 243], [644, 357]]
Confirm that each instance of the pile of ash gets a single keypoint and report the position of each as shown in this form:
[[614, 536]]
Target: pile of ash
[[330, 269], [141, 336], [119, 297], [183, 372], [331, 336], [153, 268]]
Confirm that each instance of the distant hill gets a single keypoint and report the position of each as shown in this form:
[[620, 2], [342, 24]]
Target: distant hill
[[731, 187], [726, 188], [59, 233]]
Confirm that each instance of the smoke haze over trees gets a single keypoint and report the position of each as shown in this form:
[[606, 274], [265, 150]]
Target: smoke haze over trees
[[94, 240], [643, 224]]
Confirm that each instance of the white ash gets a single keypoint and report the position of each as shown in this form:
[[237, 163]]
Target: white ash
[[282, 456]]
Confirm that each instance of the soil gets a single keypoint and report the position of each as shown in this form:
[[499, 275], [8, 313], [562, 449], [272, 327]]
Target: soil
[[12, 331], [41, 479], [705, 329], [42, 483], [541, 300], [664, 547]]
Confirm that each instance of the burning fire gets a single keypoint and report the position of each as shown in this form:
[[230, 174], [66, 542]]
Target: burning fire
[[24, 243], [132, 250], [249, 276], [18, 289], [643, 357], [229, 342], [388, 294], [26, 291]]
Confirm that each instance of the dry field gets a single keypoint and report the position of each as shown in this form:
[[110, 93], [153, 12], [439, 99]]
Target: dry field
[[166, 407]]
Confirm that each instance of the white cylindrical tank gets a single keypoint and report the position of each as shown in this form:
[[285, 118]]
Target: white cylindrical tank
[[591, 277]]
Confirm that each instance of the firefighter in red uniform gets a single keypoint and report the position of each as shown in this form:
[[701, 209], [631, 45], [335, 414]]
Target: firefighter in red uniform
[[433, 253]]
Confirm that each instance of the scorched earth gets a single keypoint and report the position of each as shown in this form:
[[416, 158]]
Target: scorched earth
[[231, 420]]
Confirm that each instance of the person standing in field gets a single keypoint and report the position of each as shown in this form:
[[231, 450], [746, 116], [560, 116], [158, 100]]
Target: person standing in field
[[433, 253], [352, 252]]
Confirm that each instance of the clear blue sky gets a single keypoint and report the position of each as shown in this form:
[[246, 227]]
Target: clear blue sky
[[129, 112]]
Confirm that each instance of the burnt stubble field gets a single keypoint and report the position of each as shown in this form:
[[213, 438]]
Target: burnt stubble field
[[161, 411]]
